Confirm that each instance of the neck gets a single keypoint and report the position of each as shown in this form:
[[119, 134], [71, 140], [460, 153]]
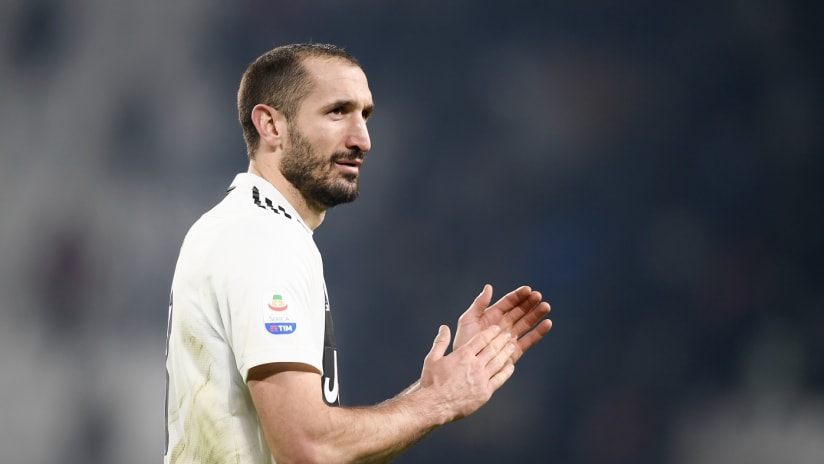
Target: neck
[[311, 214]]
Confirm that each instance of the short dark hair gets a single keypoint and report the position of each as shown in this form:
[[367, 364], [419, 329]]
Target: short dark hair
[[278, 79]]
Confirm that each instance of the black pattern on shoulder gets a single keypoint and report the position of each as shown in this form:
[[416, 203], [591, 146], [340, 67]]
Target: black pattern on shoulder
[[268, 204]]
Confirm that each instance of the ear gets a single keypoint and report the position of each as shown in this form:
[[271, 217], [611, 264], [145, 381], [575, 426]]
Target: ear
[[270, 124]]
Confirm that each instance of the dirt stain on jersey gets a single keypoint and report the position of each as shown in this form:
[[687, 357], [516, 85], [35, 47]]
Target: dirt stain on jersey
[[203, 441]]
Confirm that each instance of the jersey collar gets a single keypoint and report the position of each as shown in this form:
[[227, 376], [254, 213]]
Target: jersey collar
[[246, 180]]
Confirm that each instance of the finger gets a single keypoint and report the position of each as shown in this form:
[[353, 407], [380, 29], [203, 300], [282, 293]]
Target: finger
[[512, 311], [479, 304], [523, 322], [494, 348], [512, 300], [514, 297], [440, 344], [500, 378], [481, 340], [532, 337], [502, 357]]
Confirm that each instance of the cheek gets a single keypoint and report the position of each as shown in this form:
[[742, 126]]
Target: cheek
[[324, 150], [325, 138], [329, 138]]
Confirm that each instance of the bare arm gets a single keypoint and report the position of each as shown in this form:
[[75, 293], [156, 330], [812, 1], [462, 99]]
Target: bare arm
[[300, 427]]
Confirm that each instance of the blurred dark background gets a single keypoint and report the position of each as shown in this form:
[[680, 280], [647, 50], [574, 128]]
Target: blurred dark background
[[652, 167]]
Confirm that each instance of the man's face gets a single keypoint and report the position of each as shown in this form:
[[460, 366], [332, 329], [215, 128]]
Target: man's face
[[328, 138]]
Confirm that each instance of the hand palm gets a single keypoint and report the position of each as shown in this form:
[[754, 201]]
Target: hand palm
[[520, 312]]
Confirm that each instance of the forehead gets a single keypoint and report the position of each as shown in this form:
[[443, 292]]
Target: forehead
[[335, 79]]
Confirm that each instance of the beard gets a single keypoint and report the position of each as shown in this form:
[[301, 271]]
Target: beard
[[315, 177]]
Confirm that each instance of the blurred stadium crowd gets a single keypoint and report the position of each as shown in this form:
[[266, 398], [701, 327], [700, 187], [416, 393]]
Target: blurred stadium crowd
[[653, 168]]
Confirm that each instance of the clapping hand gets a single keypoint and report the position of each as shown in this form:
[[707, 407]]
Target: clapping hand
[[521, 312]]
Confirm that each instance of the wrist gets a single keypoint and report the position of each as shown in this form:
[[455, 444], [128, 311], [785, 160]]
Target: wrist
[[429, 406]]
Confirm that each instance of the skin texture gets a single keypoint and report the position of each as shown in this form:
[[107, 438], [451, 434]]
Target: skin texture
[[326, 142], [517, 312], [331, 119]]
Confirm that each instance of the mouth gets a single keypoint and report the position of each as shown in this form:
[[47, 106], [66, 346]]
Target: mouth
[[351, 166]]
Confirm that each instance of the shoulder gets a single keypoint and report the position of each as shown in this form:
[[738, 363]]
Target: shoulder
[[252, 223], [252, 206], [246, 226], [253, 198]]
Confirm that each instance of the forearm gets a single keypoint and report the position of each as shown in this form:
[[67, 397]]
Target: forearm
[[373, 434], [300, 427]]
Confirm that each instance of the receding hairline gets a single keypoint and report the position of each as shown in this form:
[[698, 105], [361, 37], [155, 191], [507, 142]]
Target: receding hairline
[[304, 53], [311, 77]]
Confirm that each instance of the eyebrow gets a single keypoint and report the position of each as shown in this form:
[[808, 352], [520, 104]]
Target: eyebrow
[[367, 110]]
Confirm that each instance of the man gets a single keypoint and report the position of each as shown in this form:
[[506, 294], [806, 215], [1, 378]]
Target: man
[[251, 359]]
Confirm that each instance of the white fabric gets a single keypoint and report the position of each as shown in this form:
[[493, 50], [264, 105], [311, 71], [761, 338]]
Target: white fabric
[[240, 263]]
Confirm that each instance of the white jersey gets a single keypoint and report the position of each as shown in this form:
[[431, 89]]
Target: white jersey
[[248, 290]]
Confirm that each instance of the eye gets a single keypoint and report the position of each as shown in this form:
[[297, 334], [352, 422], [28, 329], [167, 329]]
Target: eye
[[367, 111]]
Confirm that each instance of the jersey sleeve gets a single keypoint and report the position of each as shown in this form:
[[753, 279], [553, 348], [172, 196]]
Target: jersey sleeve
[[274, 299]]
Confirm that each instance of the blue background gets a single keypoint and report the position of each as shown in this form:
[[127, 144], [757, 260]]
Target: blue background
[[652, 167]]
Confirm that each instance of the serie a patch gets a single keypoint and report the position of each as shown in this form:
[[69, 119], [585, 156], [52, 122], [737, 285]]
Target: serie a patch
[[276, 317]]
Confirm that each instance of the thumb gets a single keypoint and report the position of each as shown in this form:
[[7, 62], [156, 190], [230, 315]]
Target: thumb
[[440, 344], [481, 302]]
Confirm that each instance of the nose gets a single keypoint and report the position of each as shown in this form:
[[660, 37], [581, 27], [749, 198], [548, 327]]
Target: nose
[[358, 137]]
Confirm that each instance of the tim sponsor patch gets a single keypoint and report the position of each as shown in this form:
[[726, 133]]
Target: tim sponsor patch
[[275, 317], [281, 328]]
